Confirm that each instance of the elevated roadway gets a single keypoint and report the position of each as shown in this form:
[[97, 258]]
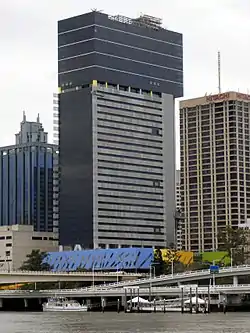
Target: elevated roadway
[[128, 279], [108, 292], [44, 276], [185, 277]]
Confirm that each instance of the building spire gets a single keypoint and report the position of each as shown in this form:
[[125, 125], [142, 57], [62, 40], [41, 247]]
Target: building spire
[[24, 116], [31, 132]]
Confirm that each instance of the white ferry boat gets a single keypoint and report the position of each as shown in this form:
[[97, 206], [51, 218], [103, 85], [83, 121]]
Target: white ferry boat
[[63, 304]]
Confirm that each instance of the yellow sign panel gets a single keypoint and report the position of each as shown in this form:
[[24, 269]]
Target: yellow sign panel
[[185, 258]]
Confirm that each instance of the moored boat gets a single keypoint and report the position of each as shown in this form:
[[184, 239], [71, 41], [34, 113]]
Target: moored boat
[[63, 304]]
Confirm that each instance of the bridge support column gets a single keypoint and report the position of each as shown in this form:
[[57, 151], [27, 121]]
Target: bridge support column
[[235, 280], [224, 299], [25, 303], [88, 303], [103, 303], [123, 300], [1, 303]]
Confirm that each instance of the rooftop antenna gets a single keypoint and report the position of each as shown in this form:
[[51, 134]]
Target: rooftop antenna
[[38, 118], [219, 82], [96, 10]]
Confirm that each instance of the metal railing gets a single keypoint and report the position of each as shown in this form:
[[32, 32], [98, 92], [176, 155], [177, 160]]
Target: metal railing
[[100, 291], [89, 273], [175, 277], [178, 276]]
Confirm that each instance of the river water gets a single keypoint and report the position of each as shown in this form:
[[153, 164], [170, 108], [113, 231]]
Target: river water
[[124, 323]]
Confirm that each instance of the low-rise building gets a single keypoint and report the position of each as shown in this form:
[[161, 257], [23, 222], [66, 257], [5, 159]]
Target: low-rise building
[[17, 241]]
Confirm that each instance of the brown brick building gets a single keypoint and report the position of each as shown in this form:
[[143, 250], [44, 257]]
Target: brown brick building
[[215, 166]]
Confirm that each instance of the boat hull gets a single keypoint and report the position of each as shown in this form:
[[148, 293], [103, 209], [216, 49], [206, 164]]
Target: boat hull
[[83, 309]]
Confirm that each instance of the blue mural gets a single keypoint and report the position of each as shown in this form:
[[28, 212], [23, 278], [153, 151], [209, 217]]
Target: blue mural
[[101, 259]]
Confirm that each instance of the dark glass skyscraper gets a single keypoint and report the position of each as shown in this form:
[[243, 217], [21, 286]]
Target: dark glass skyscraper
[[132, 52], [118, 78], [26, 179]]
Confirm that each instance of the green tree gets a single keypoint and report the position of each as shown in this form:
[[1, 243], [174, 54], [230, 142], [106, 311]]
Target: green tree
[[179, 267], [172, 259], [158, 262], [234, 241], [198, 263], [164, 265], [34, 262], [82, 269]]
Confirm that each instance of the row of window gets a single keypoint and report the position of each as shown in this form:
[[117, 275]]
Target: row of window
[[5, 237], [116, 246], [138, 113], [214, 124], [156, 231]]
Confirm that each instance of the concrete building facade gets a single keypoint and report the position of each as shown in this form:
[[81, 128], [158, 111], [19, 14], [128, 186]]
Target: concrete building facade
[[16, 241], [55, 119], [215, 166], [179, 222], [56, 217], [118, 78]]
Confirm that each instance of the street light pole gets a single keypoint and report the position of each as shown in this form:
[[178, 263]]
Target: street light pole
[[172, 268], [213, 274], [118, 266], [231, 257], [117, 280], [150, 282], [93, 276]]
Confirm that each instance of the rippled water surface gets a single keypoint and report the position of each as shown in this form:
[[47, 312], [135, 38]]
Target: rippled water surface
[[124, 323]]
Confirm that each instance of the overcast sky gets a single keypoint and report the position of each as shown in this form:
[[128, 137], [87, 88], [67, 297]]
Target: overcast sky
[[28, 58]]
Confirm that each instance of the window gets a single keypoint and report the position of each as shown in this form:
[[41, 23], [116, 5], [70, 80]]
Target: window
[[156, 183], [113, 246], [133, 90], [156, 131], [123, 88], [36, 238], [8, 244], [8, 237]]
